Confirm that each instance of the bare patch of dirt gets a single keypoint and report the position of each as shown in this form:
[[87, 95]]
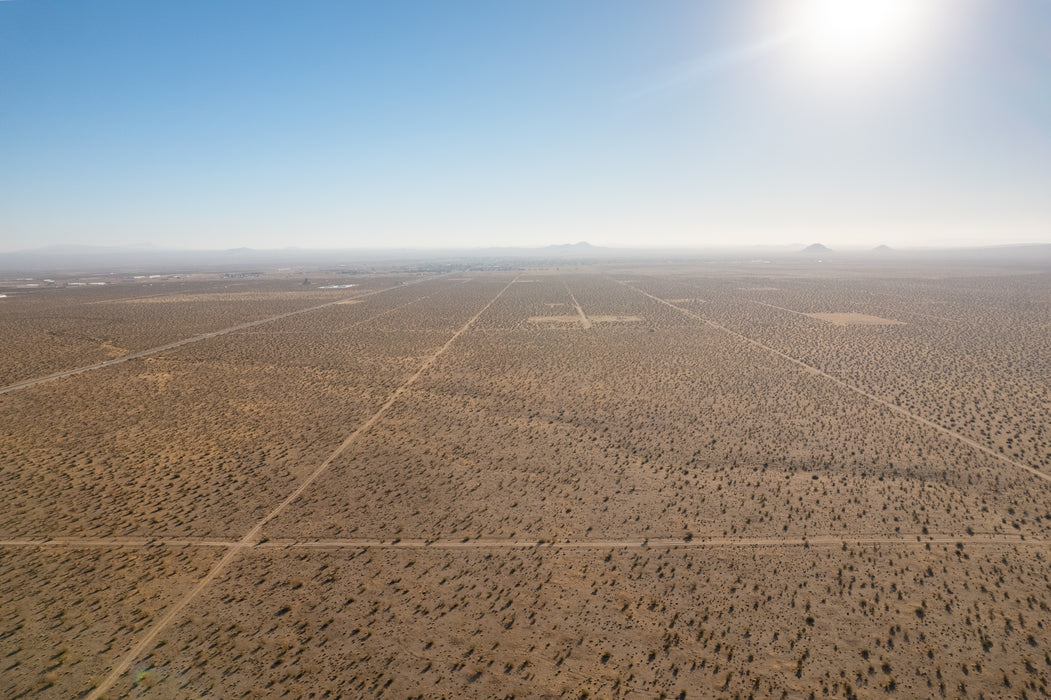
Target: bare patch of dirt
[[615, 319], [555, 319], [112, 350], [855, 320]]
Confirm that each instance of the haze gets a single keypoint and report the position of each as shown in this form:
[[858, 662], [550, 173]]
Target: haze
[[205, 125]]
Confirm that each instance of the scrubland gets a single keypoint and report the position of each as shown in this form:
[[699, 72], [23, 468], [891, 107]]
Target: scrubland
[[609, 483], [842, 621], [972, 353], [52, 329], [201, 441], [65, 613]]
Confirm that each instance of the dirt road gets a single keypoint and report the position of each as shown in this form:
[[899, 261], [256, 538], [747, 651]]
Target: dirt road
[[861, 392], [195, 339], [252, 537]]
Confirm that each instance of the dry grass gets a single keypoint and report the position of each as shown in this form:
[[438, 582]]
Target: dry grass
[[614, 622], [49, 329], [727, 522], [65, 614]]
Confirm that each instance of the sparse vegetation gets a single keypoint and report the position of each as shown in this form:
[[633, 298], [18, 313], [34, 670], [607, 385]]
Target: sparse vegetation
[[572, 508]]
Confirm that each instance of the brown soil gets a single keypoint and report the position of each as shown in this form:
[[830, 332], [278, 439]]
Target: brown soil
[[428, 492], [843, 319]]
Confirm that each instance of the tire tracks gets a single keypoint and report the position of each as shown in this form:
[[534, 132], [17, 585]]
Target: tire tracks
[[861, 392], [585, 322], [701, 542], [252, 537], [194, 339]]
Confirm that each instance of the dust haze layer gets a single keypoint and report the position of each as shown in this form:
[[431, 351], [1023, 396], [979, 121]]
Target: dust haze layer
[[95, 259]]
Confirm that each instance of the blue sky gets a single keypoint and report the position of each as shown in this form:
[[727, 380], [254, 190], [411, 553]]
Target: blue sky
[[216, 124]]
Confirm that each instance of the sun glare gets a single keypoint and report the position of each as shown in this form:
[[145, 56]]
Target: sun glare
[[843, 34]]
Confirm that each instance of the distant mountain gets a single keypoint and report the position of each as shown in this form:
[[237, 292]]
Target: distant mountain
[[582, 245], [573, 249], [83, 258]]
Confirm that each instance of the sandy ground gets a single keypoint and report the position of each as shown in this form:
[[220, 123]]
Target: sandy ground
[[421, 494], [845, 319]]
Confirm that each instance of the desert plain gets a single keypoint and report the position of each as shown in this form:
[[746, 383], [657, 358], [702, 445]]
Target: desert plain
[[613, 480]]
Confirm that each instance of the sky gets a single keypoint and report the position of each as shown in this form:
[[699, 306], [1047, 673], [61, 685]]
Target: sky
[[210, 124]]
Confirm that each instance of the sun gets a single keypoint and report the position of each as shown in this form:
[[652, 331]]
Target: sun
[[846, 34]]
